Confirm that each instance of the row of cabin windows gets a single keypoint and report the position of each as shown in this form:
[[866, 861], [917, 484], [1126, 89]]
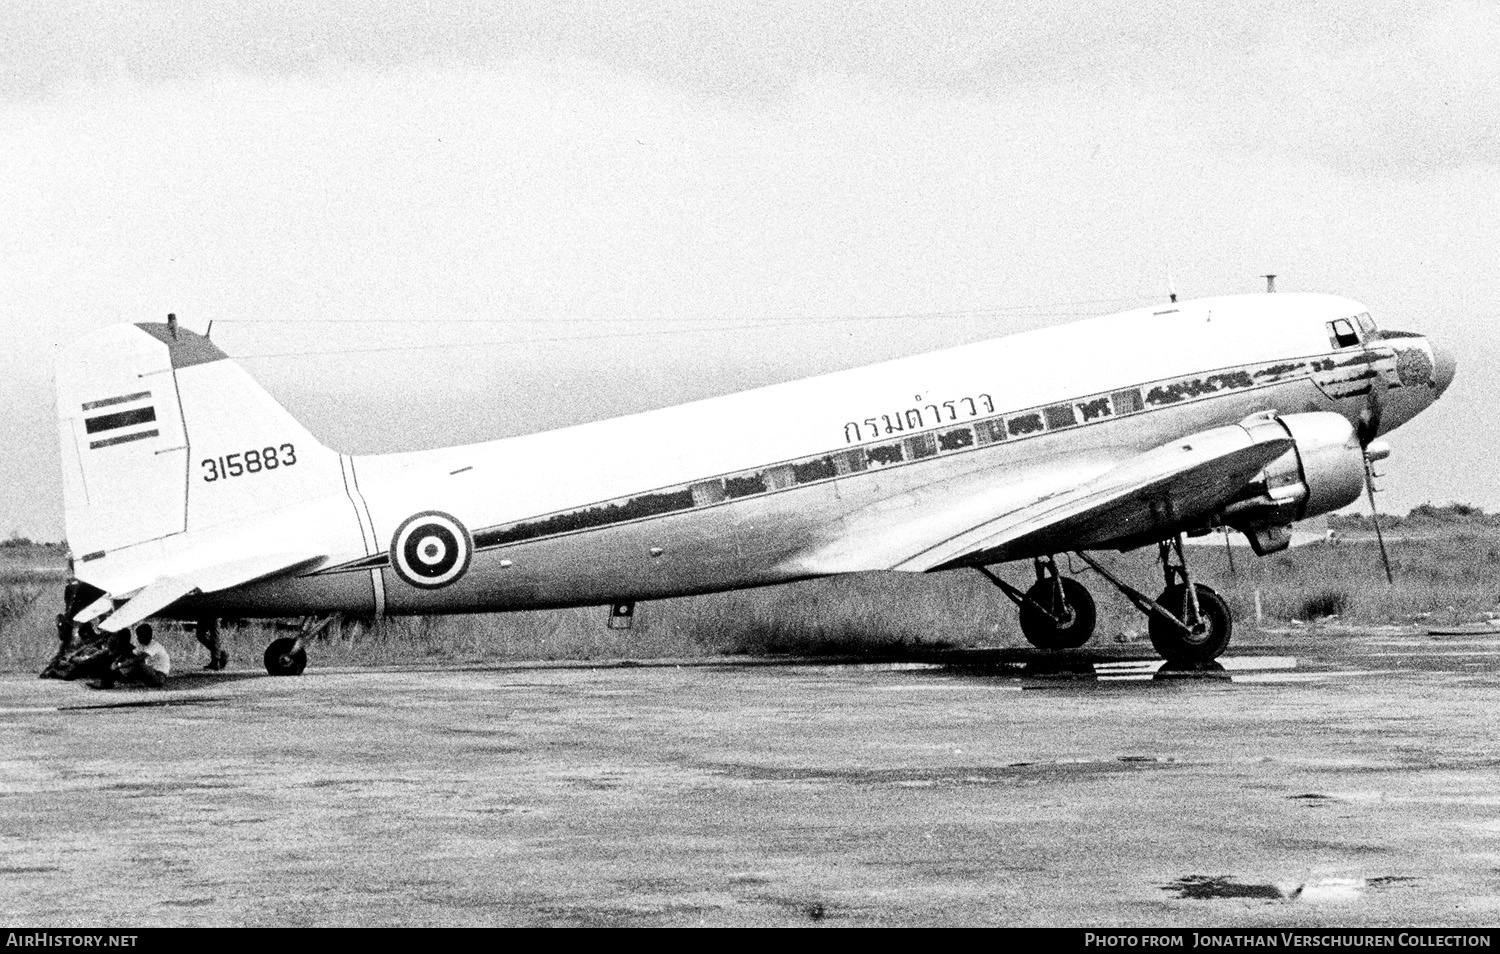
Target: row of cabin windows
[[852, 461], [917, 447], [1342, 334]]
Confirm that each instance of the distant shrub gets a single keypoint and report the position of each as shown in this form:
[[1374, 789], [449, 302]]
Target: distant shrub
[[16, 601], [1450, 514], [1423, 515], [1325, 603], [1362, 521]]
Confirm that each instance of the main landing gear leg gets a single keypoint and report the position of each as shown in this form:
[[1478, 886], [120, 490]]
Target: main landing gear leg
[[1057, 612], [288, 656], [1189, 622]]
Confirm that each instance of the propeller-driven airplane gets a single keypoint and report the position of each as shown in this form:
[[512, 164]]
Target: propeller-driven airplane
[[191, 493]]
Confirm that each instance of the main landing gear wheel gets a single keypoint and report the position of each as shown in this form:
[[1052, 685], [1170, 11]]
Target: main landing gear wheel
[[1072, 618], [285, 658], [1188, 627], [1208, 632]]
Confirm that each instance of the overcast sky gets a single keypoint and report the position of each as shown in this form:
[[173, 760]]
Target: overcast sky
[[430, 222]]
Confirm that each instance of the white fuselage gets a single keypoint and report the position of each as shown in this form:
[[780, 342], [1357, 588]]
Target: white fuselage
[[817, 476]]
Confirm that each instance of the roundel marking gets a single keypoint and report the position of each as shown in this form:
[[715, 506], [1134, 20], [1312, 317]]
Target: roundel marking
[[431, 550]]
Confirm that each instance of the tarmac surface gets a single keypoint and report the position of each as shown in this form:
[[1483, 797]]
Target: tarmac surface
[[1332, 778]]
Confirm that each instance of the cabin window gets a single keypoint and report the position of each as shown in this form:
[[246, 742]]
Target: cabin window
[[646, 505], [1097, 408], [779, 477], [814, 470], [956, 439], [708, 492], [990, 432], [1023, 424], [1128, 402], [850, 462], [745, 486], [1366, 324], [1341, 334], [923, 445], [1059, 415]]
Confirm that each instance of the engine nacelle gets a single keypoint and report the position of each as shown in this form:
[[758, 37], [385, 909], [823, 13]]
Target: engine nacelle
[[1324, 470]]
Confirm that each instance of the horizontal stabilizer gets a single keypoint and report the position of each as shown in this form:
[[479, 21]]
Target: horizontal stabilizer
[[149, 601], [95, 609], [164, 592]]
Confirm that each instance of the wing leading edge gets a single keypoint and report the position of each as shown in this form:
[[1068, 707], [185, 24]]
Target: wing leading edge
[[1076, 504]]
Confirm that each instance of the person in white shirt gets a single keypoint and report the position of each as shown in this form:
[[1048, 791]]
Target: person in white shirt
[[149, 665]]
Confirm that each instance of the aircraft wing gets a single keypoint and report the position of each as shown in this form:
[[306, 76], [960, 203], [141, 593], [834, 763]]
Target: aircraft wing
[[1066, 503], [158, 595]]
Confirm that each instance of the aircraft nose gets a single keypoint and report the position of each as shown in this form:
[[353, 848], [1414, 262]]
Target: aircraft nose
[[1443, 366]]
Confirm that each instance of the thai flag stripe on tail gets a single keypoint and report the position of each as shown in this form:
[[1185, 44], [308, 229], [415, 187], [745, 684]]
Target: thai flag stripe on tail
[[122, 399], [123, 425], [110, 422]]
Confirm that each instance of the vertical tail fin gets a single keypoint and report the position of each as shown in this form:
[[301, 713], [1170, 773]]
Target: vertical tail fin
[[161, 433]]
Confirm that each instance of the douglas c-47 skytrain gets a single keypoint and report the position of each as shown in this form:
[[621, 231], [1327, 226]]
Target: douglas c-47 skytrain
[[191, 493]]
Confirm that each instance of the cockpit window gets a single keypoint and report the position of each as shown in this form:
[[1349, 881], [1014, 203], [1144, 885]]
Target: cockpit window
[[1341, 334], [1366, 324]]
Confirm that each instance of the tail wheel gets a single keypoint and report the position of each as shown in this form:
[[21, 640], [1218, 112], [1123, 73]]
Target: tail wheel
[[1209, 634], [285, 658], [1075, 608]]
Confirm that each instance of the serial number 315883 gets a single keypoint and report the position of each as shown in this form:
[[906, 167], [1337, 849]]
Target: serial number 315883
[[248, 462]]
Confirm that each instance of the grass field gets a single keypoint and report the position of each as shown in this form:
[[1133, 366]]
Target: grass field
[[1444, 574]]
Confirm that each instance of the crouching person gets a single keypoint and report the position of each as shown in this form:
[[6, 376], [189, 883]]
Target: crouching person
[[149, 665]]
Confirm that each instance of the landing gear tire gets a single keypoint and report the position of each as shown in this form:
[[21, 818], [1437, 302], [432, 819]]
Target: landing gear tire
[[1044, 632], [282, 659], [1209, 636]]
